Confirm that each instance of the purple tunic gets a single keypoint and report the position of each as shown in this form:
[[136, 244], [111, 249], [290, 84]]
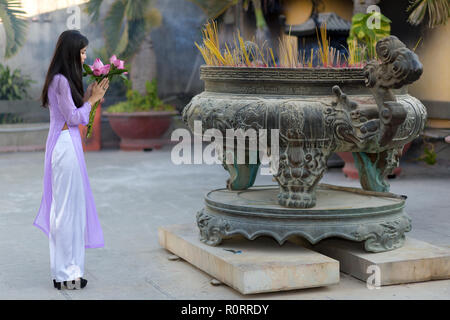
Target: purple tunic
[[63, 110]]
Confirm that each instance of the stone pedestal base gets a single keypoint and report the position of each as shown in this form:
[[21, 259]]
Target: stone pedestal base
[[252, 266], [375, 218], [416, 261]]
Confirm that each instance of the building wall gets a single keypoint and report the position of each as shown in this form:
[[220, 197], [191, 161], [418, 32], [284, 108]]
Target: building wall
[[178, 60], [434, 53], [298, 11], [34, 57]]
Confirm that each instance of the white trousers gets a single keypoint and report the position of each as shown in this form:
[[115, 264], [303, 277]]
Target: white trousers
[[67, 213]]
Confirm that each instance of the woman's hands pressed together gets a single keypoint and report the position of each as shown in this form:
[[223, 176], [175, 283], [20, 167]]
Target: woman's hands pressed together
[[98, 90]]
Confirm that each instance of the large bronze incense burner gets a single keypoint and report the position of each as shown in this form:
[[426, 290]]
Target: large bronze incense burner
[[317, 111]]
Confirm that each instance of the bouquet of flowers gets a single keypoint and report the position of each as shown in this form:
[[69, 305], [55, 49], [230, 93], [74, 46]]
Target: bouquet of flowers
[[98, 71]]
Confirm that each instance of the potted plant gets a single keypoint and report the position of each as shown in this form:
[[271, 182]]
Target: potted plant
[[141, 120]]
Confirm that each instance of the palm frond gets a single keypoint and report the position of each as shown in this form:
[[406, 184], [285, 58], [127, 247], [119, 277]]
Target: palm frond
[[15, 25], [135, 9], [123, 42], [93, 9], [114, 25], [259, 15], [214, 8], [137, 31], [126, 24], [438, 12]]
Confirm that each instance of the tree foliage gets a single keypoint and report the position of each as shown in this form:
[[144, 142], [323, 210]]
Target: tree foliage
[[438, 12], [125, 25], [14, 24]]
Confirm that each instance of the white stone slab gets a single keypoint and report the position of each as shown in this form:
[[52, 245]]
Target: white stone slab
[[256, 266], [416, 261]]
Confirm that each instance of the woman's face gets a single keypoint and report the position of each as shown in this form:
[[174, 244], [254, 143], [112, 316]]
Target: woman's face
[[83, 55]]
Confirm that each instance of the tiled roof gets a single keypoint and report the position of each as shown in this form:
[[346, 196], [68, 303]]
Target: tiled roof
[[335, 25]]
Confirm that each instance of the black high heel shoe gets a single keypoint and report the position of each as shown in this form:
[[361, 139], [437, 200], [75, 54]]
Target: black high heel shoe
[[57, 285], [75, 284]]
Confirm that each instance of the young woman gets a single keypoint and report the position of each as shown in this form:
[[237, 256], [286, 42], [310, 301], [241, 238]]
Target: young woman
[[67, 213]]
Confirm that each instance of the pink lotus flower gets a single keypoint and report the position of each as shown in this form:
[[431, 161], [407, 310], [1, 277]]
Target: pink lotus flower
[[117, 62], [99, 69], [120, 64]]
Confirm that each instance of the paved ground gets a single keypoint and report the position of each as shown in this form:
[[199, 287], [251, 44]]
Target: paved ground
[[135, 192]]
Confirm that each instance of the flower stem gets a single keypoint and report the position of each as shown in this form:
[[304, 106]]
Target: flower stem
[[91, 119]]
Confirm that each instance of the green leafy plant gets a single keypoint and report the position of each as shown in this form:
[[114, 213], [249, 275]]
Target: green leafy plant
[[10, 118], [214, 8], [13, 85], [137, 102], [15, 25], [429, 155], [368, 36]]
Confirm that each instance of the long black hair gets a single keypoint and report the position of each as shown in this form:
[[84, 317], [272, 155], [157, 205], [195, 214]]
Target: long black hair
[[67, 61]]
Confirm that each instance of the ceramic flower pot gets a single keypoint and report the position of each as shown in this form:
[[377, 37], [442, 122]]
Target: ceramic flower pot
[[350, 169], [140, 130]]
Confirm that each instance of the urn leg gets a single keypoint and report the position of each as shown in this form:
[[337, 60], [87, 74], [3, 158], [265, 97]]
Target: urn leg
[[373, 168], [388, 235], [300, 170], [212, 229], [242, 176]]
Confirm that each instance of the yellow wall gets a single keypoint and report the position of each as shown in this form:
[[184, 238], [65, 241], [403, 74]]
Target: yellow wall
[[434, 53], [298, 11]]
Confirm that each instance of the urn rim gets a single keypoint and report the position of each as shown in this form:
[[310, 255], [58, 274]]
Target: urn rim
[[304, 75]]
